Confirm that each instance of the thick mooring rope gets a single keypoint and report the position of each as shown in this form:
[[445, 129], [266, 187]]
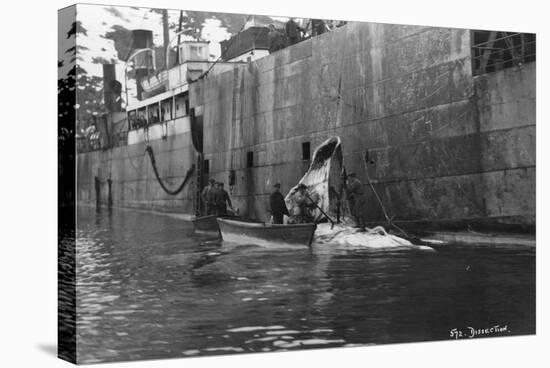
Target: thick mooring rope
[[149, 150]]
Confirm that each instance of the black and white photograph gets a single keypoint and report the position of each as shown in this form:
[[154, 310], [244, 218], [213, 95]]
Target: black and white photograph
[[246, 183], [234, 183]]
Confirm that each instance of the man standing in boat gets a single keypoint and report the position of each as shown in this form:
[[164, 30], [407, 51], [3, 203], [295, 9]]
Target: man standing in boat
[[277, 205], [222, 200], [357, 200], [208, 198]]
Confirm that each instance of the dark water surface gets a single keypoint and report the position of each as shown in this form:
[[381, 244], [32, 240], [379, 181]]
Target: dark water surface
[[149, 287]]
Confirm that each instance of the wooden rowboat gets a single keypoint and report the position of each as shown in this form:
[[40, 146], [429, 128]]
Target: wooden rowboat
[[260, 233], [207, 224]]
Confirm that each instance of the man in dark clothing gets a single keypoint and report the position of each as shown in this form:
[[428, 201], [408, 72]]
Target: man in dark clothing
[[277, 205], [208, 198], [292, 32], [222, 199], [357, 201]]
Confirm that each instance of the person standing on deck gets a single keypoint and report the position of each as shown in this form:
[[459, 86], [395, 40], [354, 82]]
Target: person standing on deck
[[221, 198], [276, 39], [293, 32], [207, 198], [357, 200], [277, 205]]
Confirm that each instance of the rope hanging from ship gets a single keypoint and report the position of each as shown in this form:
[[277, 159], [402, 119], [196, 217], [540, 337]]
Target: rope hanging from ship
[[149, 150]]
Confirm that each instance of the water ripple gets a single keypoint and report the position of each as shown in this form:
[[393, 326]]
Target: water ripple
[[149, 287]]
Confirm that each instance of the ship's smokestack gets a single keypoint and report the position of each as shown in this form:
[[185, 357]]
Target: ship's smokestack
[[142, 39], [111, 89]]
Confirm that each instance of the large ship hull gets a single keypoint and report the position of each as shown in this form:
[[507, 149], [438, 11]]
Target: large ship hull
[[430, 136], [440, 144]]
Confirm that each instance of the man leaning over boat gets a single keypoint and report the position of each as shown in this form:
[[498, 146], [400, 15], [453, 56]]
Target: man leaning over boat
[[303, 211]]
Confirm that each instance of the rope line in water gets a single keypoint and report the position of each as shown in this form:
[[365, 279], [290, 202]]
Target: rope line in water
[[388, 218]]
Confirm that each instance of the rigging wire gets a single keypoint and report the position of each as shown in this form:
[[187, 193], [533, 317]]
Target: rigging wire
[[388, 218]]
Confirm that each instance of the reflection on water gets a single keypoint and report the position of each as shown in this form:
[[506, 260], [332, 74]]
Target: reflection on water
[[149, 287]]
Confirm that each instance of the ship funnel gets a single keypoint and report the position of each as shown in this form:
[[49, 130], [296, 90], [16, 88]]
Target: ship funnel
[[112, 89]]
